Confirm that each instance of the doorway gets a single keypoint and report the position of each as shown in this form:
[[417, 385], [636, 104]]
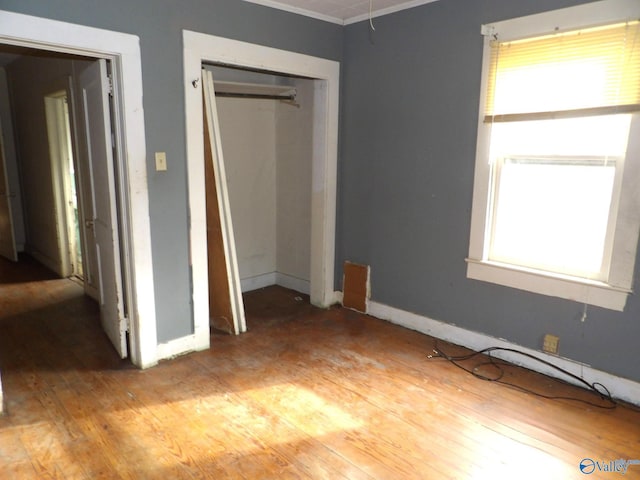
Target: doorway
[[123, 53], [201, 48], [44, 132]]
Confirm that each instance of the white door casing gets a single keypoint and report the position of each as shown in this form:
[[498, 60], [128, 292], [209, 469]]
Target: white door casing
[[96, 128], [7, 234], [60, 152], [123, 50], [201, 48]]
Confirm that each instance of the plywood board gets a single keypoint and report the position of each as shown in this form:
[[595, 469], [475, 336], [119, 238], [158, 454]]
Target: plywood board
[[355, 286], [216, 161], [220, 312]]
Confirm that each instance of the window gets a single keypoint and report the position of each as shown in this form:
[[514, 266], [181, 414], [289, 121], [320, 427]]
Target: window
[[555, 209]]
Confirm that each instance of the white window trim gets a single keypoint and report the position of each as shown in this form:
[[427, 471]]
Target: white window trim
[[613, 293]]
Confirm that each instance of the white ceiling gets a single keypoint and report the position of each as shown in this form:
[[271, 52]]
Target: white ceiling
[[342, 12]]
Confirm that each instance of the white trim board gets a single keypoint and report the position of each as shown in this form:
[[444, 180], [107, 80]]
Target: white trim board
[[275, 278], [293, 283], [123, 50], [44, 260], [620, 388], [201, 48], [180, 346], [297, 10], [257, 282], [387, 11]]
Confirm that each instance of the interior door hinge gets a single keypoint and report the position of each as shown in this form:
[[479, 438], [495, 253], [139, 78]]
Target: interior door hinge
[[110, 84], [127, 324]]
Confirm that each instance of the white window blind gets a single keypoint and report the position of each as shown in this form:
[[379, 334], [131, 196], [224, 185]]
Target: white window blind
[[591, 71]]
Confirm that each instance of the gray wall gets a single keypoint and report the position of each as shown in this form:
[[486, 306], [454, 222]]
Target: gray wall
[[410, 109], [159, 24]]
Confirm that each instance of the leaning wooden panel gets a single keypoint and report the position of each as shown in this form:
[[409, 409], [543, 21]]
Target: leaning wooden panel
[[220, 313], [225, 294]]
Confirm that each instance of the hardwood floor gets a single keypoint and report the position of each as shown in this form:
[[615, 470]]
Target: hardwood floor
[[306, 393]]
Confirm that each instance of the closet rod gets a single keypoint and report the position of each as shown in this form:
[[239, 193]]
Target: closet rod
[[290, 98]]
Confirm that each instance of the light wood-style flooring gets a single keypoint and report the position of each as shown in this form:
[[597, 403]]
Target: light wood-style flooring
[[305, 394]]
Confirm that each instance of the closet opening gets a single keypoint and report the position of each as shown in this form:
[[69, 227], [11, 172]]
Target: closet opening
[[201, 111], [265, 123]]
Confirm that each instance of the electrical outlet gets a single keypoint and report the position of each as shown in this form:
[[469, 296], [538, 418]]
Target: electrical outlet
[[550, 344], [161, 162]]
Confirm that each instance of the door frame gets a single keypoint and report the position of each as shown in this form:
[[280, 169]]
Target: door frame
[[11, 251], [123, 51], [199, 48], [61, 156]]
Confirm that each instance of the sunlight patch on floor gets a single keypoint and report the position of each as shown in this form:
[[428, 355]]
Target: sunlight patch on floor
[[499, 457]]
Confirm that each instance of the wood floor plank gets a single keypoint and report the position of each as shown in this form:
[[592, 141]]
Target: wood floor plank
[[304, 394], [203, 422], [328, 413], [22, 469], [399, 423], [264, 427], [11, 448]]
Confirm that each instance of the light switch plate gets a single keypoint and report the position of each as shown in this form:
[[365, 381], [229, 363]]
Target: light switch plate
[[161, 162]]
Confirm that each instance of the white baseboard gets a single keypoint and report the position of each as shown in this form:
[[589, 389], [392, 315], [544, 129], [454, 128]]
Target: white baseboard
[[44, 260], [259, 281], [294, 283], [337, 297], [275, 278], [181, 346], [620, 388]]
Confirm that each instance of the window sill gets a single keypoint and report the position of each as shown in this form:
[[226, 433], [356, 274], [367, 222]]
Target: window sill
[[570, 288]]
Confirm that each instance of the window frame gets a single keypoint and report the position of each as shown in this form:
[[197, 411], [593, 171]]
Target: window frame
[[614, 291], [609, 234]]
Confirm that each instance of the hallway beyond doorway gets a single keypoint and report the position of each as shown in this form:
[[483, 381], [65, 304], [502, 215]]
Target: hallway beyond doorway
[[40, 310]]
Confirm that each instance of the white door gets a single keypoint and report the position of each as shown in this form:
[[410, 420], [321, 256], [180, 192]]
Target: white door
[[212, 127], [96, 127], [7, 235]]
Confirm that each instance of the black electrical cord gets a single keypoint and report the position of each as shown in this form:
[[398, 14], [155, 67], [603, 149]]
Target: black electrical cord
[[595, 387]]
